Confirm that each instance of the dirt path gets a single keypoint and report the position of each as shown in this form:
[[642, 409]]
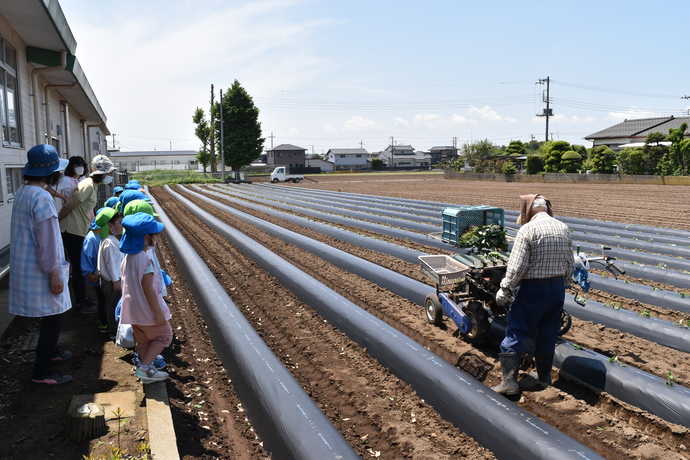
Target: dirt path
[[370, 407]]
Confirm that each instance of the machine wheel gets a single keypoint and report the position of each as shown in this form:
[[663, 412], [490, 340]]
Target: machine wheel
[[480, 322], [566, 323], [275, 181], [433, 309], [296, 181]]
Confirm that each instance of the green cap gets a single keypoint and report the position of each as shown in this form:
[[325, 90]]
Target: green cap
[[102, 219], [136, 206]]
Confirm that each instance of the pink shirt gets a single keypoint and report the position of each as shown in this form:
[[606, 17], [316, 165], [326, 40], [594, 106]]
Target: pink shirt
[[135, 307]]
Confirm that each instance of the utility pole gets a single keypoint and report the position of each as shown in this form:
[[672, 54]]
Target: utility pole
[[113, 141], [392, 151], [547, 111], [271, 136], [222, 141], [455, 148]]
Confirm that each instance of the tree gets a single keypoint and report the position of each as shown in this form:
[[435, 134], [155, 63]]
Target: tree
[[571, 162], [478, 151], [202, 131], [377, 164], [553, 151], [205, 131], [602, 160], [242, 141], [534, 164], [516, 148], [631, 161], [679, 152], [656, 155], [508, 167]]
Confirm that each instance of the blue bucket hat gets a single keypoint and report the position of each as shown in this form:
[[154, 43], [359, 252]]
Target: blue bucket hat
[[133, 185], [129, 195], [111, 202], [43, 161], [137, 226], [118, 190]]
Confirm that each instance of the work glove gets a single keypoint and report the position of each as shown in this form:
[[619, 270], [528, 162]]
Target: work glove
[[503, 297]]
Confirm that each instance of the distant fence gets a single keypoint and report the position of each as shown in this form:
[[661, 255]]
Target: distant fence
[[449, 173]]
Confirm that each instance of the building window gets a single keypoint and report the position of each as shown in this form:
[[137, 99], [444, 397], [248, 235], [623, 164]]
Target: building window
[[290, 154], [342, 156], [14, 178], [9, 95], [358, 156], [280, 154]]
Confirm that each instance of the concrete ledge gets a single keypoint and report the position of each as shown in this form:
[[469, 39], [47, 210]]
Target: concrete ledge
[[162, 437]]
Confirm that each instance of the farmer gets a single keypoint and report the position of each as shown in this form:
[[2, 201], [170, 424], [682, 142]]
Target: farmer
[[541, 265]]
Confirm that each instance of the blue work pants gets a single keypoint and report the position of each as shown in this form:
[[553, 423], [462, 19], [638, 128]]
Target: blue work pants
[[535, 313]]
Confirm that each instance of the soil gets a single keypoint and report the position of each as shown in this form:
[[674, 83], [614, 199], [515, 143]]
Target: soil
[[379, 415]]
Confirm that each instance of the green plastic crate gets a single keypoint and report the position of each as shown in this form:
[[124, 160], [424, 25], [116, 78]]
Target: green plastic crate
[[458, 220]]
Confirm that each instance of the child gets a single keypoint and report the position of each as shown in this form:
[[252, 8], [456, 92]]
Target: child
[[142, 302], [89, 269], [109, 261]]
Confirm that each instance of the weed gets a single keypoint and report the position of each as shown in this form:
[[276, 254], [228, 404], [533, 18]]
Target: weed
[[117, 452]]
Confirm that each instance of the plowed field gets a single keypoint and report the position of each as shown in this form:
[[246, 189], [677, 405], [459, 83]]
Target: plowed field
[[380, 416]]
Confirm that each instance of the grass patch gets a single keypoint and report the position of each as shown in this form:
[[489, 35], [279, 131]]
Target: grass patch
[[172, 177]]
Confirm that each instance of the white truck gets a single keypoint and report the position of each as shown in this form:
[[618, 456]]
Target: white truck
[[280, 175]]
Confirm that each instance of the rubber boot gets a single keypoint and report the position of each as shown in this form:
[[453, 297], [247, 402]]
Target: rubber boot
[[544, 362], [510, 363]]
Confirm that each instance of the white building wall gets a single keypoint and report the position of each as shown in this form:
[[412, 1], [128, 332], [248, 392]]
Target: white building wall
[[12, 158]]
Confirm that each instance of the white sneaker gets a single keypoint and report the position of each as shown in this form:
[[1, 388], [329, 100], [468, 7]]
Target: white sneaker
[[150, 375]]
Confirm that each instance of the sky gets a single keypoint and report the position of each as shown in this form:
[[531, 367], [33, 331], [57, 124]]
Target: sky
[[367, 73]]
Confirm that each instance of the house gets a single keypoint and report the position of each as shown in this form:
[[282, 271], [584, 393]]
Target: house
[[635, 131], [286, 155], [403, 157], [443, 153], [324, 165], [148, 160], [46, 95], [344, 159]]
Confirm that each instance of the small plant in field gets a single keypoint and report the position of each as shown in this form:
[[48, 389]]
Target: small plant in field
[[578, 347], [646, 313], [685, 323], [614, 359], [662, 265], [682, 295], [669, 378], [614, 305]]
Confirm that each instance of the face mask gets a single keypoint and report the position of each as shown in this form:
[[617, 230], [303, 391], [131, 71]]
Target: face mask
[[79, 170], [107, 180]]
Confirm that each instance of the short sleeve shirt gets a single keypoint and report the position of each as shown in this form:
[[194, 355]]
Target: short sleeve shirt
[[78, 220]]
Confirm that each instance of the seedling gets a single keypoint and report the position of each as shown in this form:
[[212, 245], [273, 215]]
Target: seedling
[[646, 313], [614, 359], [669, 378]]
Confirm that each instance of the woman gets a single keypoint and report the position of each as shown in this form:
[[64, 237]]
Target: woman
[[38, 269], [74, 172], [75, 217]]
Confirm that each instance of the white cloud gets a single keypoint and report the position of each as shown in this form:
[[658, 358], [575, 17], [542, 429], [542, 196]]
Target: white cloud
[[359, 123], [573, 120], [488, 114], [631, 113], [399, 121]]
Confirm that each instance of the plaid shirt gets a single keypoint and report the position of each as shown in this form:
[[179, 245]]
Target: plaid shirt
[[542, 249]]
